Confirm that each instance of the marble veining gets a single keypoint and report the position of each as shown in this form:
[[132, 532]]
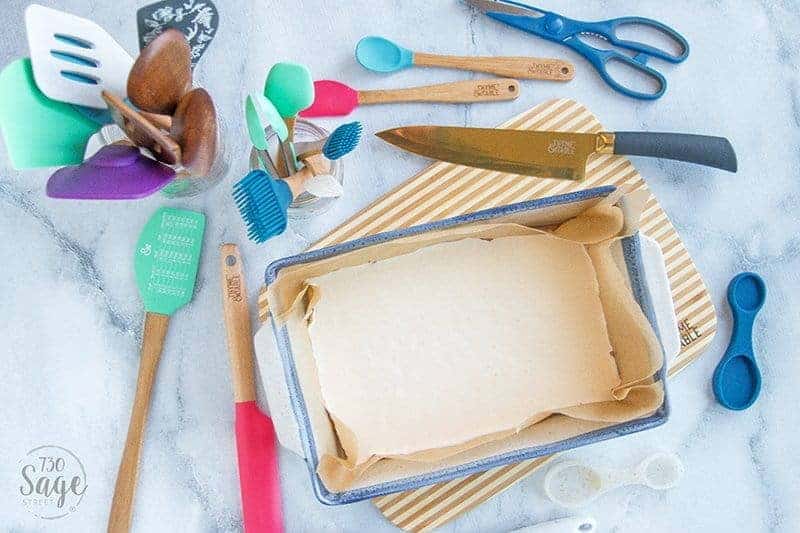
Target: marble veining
[[71, 316]]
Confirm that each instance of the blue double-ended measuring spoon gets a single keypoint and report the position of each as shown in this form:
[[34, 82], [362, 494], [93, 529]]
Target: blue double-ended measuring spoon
[[737, 379]]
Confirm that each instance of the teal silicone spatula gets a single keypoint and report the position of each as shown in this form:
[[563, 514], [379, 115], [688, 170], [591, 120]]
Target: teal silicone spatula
[[290, 88], [166, 260], [260, 113], [38, 131]]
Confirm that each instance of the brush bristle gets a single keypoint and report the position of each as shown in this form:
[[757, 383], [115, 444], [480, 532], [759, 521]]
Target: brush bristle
[[262, 202], [342, 141]]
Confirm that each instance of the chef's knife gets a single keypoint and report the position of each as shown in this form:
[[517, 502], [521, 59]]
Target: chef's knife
[[552, 154]]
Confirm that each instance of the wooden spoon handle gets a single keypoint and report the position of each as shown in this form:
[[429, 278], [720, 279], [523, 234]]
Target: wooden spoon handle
[[237, 323], [155, 331], [487, 90], [162, 121], [286, 165], [531, 68], [141, 131]]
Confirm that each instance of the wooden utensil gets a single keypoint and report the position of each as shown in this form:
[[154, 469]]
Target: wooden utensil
[[194, 126], [143, 133], [256, 444], [333, 98], [166, 261], [382, 55], [162, 74], [531, 68]]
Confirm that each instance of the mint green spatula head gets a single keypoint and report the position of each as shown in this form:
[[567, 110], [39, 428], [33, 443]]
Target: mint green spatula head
[[38, 131], [167, 256], [290, 88], [260, 113]]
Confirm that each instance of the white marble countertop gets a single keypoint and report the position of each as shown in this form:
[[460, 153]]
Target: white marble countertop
[[71, 315]]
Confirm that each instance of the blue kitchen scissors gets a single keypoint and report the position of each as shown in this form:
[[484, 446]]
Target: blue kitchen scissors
[[554, 27]]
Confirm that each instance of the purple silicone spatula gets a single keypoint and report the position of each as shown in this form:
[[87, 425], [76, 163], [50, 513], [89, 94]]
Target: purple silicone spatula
[[115, 172]]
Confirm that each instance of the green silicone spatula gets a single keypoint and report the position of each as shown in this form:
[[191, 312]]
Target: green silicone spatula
[[38, 131], [290, 89], [260, 113], [167, 256]]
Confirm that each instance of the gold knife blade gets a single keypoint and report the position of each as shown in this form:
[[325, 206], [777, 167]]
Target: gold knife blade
[[544, 154]]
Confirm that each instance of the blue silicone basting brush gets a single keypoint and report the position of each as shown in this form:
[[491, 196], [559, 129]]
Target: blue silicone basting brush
[[342, 141], [338, 144], [262, 201]]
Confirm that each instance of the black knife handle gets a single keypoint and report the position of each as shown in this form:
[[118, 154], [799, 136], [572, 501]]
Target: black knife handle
[[714, 152]]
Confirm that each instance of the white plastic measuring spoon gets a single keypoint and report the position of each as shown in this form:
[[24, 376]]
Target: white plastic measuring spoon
[[572, 484], [574, 524]]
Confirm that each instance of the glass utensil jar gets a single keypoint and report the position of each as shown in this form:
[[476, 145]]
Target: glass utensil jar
[[306, 205]]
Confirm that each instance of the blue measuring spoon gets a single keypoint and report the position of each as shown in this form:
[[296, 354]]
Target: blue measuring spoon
[[737, 379], [382, 55]]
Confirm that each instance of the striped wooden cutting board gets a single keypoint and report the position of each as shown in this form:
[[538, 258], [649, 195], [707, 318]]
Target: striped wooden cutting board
[[444, 190]]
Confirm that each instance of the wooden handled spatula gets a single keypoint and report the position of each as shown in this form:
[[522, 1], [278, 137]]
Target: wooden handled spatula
[[256, 446], [167, 256]]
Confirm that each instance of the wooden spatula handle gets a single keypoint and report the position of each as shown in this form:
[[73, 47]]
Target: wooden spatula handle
[[487, 90], [237, 323], [155, 331], [531, 68]]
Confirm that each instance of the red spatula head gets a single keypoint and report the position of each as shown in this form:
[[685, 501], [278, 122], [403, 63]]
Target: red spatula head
[[257, 451], [331, 99]]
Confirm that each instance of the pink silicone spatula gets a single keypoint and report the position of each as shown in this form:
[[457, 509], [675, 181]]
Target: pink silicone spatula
[[256, 445], [334, 98]]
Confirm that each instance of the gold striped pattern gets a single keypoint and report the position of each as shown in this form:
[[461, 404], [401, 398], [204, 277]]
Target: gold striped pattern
[[444, 190]]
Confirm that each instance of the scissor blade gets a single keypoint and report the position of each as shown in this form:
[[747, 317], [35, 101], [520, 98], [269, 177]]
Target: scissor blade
[[543, 154], [493, 6]]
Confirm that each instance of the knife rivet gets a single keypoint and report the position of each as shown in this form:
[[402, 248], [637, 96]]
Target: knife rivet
[[511, 88]]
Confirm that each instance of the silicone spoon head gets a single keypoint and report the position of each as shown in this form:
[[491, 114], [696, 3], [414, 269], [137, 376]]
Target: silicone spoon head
[[737, 378], [38, 131], [747, 292], [115, 172], [290, 88], [382, 55], [331, 99], [737, 382], [571, 484], [194, 126], [162, 74], [258, 112], [661, 471]]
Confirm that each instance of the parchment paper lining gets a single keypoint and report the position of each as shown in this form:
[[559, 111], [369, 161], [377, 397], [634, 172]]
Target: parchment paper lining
[[636, 349]]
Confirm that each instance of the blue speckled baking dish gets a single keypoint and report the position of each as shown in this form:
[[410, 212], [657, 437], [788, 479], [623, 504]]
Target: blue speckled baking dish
[[575, 202]]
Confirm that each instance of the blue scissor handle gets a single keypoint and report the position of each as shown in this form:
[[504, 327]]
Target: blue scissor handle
[[601, 58], [607, 29]]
